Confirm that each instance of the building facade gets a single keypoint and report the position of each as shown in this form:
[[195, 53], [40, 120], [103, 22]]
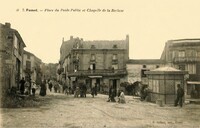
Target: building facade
[[32, 67], [137, 67], [11, 57], [101, 63], [184, 54]]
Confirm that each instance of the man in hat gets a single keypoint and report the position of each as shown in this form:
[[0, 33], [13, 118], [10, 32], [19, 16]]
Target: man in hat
[[179, 98]]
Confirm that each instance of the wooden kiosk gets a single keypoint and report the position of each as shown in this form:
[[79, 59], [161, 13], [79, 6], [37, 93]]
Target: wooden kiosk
[[162, 84]]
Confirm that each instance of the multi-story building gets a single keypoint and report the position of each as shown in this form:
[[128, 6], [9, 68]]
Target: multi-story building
[[31, 66], [11, 57], [184, 54], [99, 62], [137, 67]]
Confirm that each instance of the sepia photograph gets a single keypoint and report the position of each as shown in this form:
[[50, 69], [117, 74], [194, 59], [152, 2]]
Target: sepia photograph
[[100, 64]]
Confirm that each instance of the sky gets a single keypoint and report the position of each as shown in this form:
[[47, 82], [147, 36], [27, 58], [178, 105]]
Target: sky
[[149, 23]]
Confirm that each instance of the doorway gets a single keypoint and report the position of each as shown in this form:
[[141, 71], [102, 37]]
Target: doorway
[[115, 86]]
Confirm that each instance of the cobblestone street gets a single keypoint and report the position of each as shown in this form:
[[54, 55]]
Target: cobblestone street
[[59, 110]]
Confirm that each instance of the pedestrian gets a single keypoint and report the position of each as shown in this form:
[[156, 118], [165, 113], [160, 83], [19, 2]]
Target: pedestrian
[[93, 91], [22, 87], [65, 88], [180, 95], [84, 90], [111, 95], [50, 85], [27, 86], [70, 90], [122, 97], [77, 92], [56, 86], [43, 88], [34, 87], [143, 92]]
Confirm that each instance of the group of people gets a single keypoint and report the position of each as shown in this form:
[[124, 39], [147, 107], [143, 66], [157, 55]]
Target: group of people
[[80, 90], [27, 87], [112, 95]]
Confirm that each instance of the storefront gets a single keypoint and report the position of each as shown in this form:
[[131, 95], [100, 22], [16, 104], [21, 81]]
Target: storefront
[[193, 89]]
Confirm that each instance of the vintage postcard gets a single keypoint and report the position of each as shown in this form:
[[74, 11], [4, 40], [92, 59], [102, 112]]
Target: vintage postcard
[[99, 64]]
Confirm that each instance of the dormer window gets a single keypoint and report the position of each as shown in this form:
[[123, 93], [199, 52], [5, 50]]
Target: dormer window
[[92, 46], [114, 46], [144, 66]]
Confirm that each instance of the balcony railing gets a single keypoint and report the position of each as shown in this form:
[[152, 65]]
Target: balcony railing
[[101, 72], [186, 59]]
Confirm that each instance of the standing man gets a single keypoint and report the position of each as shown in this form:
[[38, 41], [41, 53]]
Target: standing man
[[180, 94], [22, 87]]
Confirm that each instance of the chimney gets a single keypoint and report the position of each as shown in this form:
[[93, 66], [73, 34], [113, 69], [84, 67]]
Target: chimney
[[8, 25], [71, 37], [127, 37]]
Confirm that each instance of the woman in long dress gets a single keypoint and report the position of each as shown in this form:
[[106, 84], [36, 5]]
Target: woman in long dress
[[43, 89]]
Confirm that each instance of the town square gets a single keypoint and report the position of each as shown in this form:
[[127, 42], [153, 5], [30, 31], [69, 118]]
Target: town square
[[131, 64]]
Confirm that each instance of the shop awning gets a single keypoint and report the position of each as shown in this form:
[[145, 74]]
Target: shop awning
[[95, 76], [193, 82]]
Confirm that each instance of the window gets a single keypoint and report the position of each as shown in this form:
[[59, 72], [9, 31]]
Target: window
[[92, 46], [114, 46], [142, 72], [157, 66], [28, 56], [92, 66], [181, 54], [198, 54], [28, 65], [15, 42], [115, 66], [155, 86], [191, 68], [191, 53], [114, 56], [75, 68], [173, 54], [93, 57]]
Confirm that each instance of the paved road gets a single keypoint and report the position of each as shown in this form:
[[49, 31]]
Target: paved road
[[60, 111]]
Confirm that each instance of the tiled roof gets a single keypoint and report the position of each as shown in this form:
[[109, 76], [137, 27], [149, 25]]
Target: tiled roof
[[166, 69], [145, 61], [104, 44]]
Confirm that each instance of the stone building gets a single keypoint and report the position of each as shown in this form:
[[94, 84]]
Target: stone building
[[184, 54], [137, 67], [11, 57], [99, 62], [32, 67]]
